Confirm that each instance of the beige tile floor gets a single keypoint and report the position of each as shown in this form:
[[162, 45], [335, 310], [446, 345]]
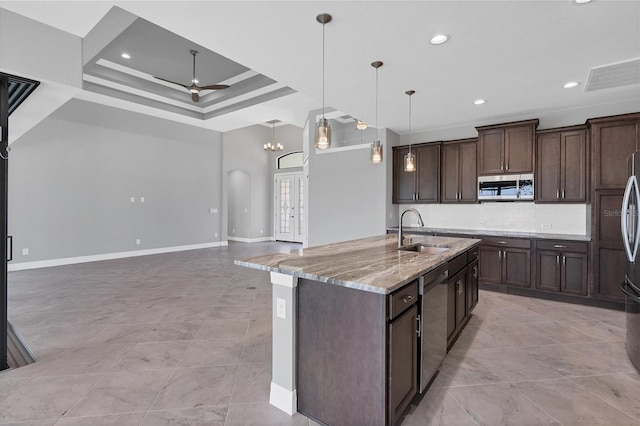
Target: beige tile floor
[[185, 339]]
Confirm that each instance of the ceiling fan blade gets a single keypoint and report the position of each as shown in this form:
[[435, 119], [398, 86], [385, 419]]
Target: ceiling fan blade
[[172, 82], [195, 97], [214, 87]]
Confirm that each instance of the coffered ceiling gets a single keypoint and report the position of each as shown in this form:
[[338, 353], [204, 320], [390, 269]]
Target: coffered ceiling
[[516, 55]]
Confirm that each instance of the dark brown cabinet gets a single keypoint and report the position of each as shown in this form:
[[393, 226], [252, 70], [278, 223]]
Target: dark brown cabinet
[[459, 175], [506, 148], [472, 285], [422, 185], [402, 351], [562, 266], [505, 261], [562, 166], [613, 140]]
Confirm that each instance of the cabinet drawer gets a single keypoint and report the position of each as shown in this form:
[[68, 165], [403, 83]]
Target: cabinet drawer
[[402, 299], [472, 254], [554, 245], [507, 242], [455, 265]]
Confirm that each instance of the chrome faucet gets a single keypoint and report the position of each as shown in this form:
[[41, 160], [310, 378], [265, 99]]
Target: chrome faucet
[[400, 236]]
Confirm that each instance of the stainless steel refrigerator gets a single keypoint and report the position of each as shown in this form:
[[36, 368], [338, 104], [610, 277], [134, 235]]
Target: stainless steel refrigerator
[[631, 240]]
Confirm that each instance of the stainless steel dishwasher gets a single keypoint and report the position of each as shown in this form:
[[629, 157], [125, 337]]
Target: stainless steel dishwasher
[[432, 320]]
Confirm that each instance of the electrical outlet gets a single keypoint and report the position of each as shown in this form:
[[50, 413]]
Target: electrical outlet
[[281, 308], [142, 199], [233, 231], [137, 241], [25, 252], [246, 210], [213, 211], [133, 199], [215, 235], [261, 231]]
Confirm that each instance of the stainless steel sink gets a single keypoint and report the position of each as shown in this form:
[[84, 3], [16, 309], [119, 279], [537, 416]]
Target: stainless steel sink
[[424, 248]]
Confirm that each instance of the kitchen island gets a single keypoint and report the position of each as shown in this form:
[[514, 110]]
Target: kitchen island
[[346, 324]]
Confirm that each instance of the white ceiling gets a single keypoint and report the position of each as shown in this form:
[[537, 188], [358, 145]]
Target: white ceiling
[[515, 54]]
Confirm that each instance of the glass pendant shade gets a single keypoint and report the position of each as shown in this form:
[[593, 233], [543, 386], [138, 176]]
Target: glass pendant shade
[[409, 162], [376, 152], [323, 134]]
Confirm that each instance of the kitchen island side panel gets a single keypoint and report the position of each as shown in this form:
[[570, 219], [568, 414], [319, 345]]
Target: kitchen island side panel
[[341, 369]]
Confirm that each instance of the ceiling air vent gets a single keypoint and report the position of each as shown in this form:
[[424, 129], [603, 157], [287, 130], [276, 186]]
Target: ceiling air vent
[[614, 75]]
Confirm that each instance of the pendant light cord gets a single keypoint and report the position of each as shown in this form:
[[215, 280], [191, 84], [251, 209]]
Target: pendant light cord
[[409, 123], [323, 70], [377, 127]]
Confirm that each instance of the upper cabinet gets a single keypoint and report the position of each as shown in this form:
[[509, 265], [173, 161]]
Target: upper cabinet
[[562, 165], [506, 148], [421, 185], [614, 139], [458, 172]]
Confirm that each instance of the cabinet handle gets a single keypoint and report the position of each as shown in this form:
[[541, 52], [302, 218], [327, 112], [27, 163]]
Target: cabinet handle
[[502, 242], [475, 271], [564, 261], [499, 254], [459, 286], [557, 193], [562, 193], [419, 328], [507, 164], [501, 165], [559, 246], [407, 298], [558, 260]]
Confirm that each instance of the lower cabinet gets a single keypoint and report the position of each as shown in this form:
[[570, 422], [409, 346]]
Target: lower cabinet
[[505, 261], [403, 363], [462, 292], [472, 284], [562, 266]]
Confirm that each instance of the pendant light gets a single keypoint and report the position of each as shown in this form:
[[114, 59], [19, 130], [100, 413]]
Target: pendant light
[[273, 146], [323, 130], [376, 146], [410, 159]]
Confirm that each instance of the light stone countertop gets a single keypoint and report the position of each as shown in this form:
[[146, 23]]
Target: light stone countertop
[[493, 233], [371, 264]]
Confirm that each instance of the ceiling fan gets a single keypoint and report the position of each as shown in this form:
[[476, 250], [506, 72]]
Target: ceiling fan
[[193, 88]]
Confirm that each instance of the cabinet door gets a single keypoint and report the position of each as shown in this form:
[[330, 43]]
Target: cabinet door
[[548, 271], [516, 267], [461, 299], [518, 149], [491, 152], [490, 264], [404, 186], [450, 174], [472, 285], [451, 310], [613, 141], [548, 165], [574, 273], [403, 363], [574, 167], [428, 173], [468, 180]]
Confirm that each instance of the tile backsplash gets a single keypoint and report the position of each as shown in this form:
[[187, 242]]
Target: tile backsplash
[[572, 219]]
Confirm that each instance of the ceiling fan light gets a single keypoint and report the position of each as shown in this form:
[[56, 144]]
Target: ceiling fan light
[[323, 134], [361, 125], [193, 90]]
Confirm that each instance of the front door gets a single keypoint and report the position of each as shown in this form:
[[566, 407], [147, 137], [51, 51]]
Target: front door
[[289, 207]]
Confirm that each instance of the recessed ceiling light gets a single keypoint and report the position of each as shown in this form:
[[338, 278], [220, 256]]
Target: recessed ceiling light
[[571, 85], [126, 55], [439, 39], [582, 1], [479, 101]]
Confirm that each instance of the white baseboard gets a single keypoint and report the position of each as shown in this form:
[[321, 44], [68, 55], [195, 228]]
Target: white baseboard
[[283, 399], [108, 256], [250, 240]]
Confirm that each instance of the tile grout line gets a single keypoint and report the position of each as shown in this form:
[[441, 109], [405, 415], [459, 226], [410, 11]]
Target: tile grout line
[[233, 388], [82, 397], [604, 400]]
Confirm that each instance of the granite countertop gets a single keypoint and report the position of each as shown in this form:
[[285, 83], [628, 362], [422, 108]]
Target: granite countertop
[[371, 264], [492, 233]]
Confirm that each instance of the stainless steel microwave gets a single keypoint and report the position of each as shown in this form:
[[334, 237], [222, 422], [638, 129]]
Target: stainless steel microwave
[[505, 188]]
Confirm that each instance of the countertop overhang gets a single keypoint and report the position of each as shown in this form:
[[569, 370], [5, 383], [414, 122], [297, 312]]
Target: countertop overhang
[[371, 264]]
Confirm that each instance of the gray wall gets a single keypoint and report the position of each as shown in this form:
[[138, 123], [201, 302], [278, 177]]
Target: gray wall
[[243, 150], [71, 178], [346, 193]]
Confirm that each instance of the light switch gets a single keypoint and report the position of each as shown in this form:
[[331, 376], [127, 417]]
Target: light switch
[[142, 199], [133, 199], [281, 308]]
